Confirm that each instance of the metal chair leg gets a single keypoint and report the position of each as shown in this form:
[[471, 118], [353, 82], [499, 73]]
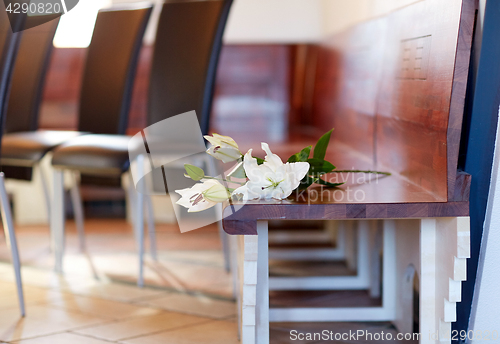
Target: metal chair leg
[[139, 221], [10, 235], [57, 222], [45, 187], [131, 198], [151, 226], [76, 200]]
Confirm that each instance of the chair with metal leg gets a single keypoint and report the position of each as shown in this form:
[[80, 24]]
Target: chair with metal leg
[[106, 93], [188, 42], [20, 160], [9, 45], [119, 30]]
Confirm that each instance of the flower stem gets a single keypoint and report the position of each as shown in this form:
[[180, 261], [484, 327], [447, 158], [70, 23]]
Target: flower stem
[[361, 171], [224, 180]]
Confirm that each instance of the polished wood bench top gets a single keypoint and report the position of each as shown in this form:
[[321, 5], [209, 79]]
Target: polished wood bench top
[[363, 196]]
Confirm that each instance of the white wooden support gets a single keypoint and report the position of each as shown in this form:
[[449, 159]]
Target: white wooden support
[[452, 251], [255, 286], [248, 283], [386, 312], [350, 243], [333, 233], [360, 281], [297, 236], [262, 306], [306, 254], [428, 325], [408, 235], [340, 239], [375, 252]]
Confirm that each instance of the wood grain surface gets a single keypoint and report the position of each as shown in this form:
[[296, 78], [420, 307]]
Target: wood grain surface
[[394, 90]]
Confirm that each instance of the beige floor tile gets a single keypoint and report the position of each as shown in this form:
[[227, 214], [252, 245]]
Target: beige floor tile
[[213, 332], [5, 268], [102, 308], [115, 291], [124, 329], [47, 278], [62, 338], [41, 320], [32, 295], [194, 304]]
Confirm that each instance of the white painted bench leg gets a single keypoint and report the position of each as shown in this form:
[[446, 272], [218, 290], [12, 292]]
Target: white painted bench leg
[[428, 323], [249, 289], [375, 250], [363, 256], [361, 281], [262, 306], [340, 239], [235, 274], [57, 219], [350, 244], [389, 269], [452, 251], [384, 313]]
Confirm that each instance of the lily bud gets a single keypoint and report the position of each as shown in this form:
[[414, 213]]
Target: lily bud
[[223, 148]]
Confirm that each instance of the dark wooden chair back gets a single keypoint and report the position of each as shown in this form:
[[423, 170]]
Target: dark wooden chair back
[[110, 69], [9, 45], [394, 89], [186, 53], [29, 76]]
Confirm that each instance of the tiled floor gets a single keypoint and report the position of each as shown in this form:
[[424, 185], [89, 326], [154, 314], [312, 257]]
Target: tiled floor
[[187, 300]]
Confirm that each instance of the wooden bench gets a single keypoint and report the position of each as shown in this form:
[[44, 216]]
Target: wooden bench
[[394, 90]]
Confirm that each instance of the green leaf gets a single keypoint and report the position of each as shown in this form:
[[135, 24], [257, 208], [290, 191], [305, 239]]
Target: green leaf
[[319, 166], [322, 145], [238, 172], [301, 156], [260, 161], [327, 184], [306, 182], [195, 173]]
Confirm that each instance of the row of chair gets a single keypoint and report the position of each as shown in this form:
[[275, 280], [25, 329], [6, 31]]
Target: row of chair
[[186, 51]]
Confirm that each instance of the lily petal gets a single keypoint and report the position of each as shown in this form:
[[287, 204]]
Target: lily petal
[[271, 160]]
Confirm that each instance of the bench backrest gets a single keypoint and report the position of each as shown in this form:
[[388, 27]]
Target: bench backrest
[[394, 90]]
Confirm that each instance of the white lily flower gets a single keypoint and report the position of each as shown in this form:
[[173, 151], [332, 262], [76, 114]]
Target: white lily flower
[[223, 148], [272, 179], [202, 195]]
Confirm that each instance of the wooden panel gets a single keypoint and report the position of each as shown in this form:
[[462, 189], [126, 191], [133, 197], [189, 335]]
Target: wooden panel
[[395, 92], [252, 92], [348, 75]]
